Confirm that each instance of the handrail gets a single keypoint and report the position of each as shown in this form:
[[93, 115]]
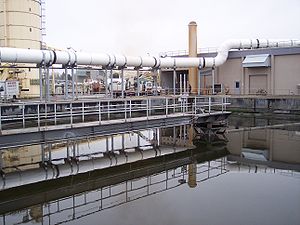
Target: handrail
[[45, 114]]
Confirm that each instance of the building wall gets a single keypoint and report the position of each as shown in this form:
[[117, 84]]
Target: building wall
[[20, 27], [286, 74], [228, 73]]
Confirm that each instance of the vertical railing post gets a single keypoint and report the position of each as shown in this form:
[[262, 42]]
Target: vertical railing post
[[130, 108], [71, 112], [0, 119], [55, 119], [38, 115], [150, 107], [23, 115], [108, 110], [174, 104], [166, 106], [125, 105], [195, 105], [82, 111], [222, 99], [99, 112], [209, 104], [147, 108]]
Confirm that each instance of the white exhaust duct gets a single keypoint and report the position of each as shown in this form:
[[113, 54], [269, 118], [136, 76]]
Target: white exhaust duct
[[71, 58]]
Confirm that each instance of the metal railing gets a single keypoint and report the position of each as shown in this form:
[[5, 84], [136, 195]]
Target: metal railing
[[43, 114]]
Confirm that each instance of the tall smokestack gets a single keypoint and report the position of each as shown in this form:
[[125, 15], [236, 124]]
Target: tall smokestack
[[193, 78]]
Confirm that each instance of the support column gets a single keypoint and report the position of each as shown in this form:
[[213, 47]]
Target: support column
[[122, 83], [199, 81], [41, 82], [193, 78], [174, 81], [180, 84], [138, 81], [184, 83], [73, 82], [66, 83], [111, 84], [213, 80], [47, 84], [106, 83]]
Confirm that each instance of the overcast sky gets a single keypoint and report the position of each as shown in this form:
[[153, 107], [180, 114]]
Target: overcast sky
[[138, 27]]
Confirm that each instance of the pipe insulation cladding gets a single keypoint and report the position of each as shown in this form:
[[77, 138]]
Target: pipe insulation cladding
[[72, 58]]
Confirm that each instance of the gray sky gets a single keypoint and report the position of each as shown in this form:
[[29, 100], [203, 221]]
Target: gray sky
[[138, 27]]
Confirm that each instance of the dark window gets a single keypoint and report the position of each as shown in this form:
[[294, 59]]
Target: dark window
[[237, 84], [29, 9], [30, 29]]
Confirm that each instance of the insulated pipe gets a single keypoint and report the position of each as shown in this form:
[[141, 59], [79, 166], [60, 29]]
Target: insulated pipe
[[69, 58]]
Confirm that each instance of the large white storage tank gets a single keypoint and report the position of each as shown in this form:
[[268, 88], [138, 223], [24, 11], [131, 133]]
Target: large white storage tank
[[21, 27]]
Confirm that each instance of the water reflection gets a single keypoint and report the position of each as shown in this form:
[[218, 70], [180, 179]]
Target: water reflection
[[62, 182]]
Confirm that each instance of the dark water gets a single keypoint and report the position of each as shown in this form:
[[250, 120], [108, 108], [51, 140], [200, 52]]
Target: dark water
[[178, 175]]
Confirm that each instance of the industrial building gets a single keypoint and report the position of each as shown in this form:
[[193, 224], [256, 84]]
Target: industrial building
[[22, 26], [274, 71]]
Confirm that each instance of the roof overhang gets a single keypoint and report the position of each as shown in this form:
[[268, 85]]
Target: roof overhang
[[261, 60]]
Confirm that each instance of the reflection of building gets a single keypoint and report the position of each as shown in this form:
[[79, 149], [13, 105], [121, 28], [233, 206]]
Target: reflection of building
[[27, 155], [272, 147]]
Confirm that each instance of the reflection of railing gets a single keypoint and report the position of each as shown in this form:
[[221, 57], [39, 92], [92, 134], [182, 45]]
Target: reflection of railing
[[41, 115], [84, 204]]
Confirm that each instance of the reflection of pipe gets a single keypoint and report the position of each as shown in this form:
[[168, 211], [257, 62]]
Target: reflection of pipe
[[19, 178], [70, 58]]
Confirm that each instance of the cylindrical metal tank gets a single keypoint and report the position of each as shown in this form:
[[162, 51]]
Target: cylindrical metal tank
[[21, 27], [193, 81]]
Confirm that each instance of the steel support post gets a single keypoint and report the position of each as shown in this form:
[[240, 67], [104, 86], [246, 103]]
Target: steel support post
[[138, 81], [106, 82], [66, 83], [41, 82], [199, 81], [180, 86], [122, 83], [47, 84], [184, 83], [174, 81], [213, 80], [73, 82], [111, 84]]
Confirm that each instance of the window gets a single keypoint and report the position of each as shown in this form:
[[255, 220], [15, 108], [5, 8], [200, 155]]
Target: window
[[237, 84], [30, 29], [29, 9]]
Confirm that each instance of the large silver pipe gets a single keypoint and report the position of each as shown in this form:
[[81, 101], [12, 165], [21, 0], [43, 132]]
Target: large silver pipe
[[17, 55]]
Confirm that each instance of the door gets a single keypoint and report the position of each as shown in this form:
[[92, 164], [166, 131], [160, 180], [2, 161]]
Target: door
[[258, 84]]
